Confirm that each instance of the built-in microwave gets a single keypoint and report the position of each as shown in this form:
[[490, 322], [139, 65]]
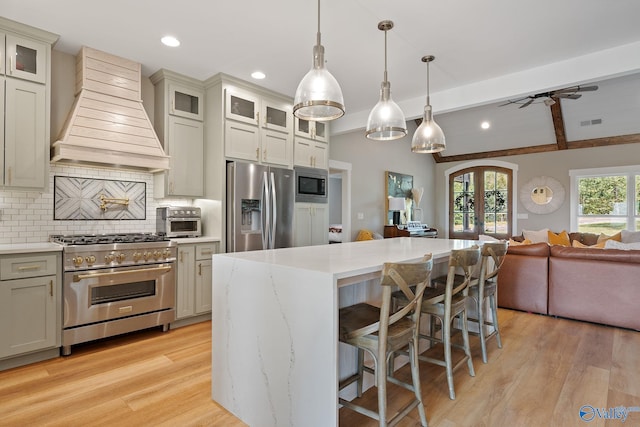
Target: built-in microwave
[[311, 185], [179, 221]]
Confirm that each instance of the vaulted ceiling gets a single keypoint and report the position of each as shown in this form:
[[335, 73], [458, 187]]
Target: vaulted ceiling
[[486, 53]]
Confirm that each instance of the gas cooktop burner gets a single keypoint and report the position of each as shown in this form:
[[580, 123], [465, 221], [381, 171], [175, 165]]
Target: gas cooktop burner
[[97, 239]]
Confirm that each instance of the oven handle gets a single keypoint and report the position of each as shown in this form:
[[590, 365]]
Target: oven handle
[[79, 277]]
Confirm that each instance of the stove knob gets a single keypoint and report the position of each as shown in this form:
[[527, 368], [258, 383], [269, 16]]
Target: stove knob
[[77, 261], [90, 259], [166, 253], [108, 259], [156, 255], [121, 257], [146, 256], [137, 256]]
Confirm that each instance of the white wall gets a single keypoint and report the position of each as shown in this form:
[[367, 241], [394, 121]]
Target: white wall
[[370, 159]]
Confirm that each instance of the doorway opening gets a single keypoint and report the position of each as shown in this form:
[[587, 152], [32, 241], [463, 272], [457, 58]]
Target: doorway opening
[[339, 201]]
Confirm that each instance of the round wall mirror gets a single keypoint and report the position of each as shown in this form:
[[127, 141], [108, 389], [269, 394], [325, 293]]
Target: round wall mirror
[[542, 195]]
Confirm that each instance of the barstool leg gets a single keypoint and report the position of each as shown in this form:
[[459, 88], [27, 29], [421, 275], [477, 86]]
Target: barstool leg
[[483, 343], [446, 341], [415, 376], [494, 311], [360, 371], [467, 347], [381, 379]]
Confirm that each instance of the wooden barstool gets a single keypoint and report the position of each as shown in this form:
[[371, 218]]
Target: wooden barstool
[[381, 332], [445, 304], [483, 288], [486, 289]]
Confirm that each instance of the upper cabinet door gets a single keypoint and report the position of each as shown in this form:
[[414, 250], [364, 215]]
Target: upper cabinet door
[[242, 106], [26, 59], [312, 130], [276, 116], [3, 54], [185, 102]]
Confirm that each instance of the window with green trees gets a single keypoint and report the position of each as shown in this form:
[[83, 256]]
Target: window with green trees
[[607, 201]]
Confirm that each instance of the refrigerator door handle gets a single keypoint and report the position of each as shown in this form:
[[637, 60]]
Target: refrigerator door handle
[[274, 213], [265, 212]]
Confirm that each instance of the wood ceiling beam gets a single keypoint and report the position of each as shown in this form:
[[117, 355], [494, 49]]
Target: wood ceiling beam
[[558, 125]]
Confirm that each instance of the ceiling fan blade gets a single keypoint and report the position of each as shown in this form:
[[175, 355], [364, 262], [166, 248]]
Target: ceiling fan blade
[[567, 95], [587, 88], [526, 104]]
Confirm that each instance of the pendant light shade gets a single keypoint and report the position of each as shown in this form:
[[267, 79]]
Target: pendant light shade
[[428, 138], [318, 97], [386, 120]]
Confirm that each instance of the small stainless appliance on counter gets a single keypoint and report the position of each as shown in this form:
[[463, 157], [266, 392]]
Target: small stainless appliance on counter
[[179, 221], [116, 283]]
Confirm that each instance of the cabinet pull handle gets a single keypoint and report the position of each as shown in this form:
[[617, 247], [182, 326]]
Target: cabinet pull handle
[[200, 269], [258, 117], [9, 175], [181, 256], [207, 252], [11, 64], [51, 287], [29, 268], [264, 154], [257, 154]]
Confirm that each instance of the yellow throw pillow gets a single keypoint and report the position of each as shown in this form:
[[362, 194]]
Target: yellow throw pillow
[[577, 244], [616, 237], [561, 238], [364, 235], [516, 243]]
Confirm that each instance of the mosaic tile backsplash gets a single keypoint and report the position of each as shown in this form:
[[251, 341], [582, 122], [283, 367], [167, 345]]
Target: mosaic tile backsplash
[[27, 216], [80, 198]]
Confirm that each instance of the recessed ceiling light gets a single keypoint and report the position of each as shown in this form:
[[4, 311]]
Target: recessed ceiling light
[[258, 75], [170, 41], [485, 125]]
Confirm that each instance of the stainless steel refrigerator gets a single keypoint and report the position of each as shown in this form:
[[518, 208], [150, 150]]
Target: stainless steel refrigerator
[[260, 206]]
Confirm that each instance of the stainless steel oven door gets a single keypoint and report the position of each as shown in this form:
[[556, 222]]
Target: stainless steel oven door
[[113, 293]]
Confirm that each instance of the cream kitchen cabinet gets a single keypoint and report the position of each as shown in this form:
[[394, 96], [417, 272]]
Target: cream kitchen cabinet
[[311, 153], [30, 303], [193, 293], [178, 123], [311, 224], [318, 131], [258, 129], [25, 93]]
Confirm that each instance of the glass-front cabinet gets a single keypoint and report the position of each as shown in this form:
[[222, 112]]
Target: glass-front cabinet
[[242, 106], [312, 130], [26, 59], [185, 102]]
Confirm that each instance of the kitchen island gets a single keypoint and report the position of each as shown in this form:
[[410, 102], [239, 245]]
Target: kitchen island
[[275, 358]]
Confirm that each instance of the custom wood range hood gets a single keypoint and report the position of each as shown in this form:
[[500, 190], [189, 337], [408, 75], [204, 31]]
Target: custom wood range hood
[[108, 124]]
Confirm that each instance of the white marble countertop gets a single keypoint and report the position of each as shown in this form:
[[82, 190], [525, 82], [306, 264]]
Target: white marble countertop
[[193, 240], [20, 248], [347, 259]]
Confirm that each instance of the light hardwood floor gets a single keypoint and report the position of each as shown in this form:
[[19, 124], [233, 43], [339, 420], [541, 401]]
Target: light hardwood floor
[[546, 371]]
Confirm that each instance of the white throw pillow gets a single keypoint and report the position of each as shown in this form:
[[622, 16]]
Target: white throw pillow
[[630, 236], [539, 236], [612, 244]]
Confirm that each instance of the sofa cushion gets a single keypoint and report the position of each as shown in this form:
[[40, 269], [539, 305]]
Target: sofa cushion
[[612, 255], [630, 236], [612, 244], [577, 244], [537, 236], [587, 239], [604, 237], [534, 249], [561, 238]]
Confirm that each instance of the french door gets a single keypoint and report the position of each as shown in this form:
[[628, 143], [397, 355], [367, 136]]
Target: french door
[[480, 203]]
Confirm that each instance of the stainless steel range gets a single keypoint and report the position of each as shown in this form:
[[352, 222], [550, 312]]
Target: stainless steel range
[[116, 283]]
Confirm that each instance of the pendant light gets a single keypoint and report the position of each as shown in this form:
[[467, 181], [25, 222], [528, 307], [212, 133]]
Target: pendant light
[[428, 138], [318, 97], [386, 120]]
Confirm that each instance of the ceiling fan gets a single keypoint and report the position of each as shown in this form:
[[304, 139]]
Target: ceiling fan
[[550, 96]]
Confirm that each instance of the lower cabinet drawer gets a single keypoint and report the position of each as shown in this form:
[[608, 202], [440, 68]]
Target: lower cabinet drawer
[[20, 267]]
